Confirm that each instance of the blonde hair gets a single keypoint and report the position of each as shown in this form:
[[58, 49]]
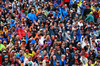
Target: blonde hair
[[48, 37]]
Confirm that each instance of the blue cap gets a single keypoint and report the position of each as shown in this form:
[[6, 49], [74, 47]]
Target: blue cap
[[17, 55], [29, 63], [67, 57], [6, 56]]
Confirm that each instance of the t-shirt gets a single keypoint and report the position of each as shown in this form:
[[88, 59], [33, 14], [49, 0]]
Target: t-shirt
[[2, 47]]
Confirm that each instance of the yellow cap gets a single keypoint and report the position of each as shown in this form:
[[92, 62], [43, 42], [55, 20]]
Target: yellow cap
[[23, 40], [91, 12], [4, 42]]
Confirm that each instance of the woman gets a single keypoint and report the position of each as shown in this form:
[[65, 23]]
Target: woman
[[89, 63], [48, 39], [53, 61]]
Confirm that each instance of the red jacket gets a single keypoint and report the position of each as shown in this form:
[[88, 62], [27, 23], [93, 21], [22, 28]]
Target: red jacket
[[66, 1], [0, 59]]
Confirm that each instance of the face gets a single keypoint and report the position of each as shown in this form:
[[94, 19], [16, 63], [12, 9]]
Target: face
[[76, 57], [54, 57], [6, 60], [40, 64], [57, 64], [90, 61]]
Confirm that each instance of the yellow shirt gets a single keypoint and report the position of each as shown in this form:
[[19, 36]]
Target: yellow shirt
[[96, 62], [88, 65], [29, 54]]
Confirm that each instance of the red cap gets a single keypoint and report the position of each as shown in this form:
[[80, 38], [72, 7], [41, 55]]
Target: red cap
[[87, 6], [47, 61], [22, 10], [76, 54], [75, 48], [83, 2], [16, 45], [26, 50]]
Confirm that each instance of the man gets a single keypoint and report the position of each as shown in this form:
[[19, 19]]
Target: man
[[57, 63], [32, 16], [47, 62], [75, 59], [86, 11], [27, 54], [66, 64], [6, 61], [83, 59], [90, 18], [29, 62], [40, 63]]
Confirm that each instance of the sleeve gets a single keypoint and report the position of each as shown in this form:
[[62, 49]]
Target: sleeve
[[87, 18], [33, 53]]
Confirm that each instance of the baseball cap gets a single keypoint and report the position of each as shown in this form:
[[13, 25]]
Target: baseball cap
[[26, 50], [23, 40], [57, 61], [76, 55], [6, 56], [40, 62], [67, 48], [32, 10], [47, 61], [4, 50]]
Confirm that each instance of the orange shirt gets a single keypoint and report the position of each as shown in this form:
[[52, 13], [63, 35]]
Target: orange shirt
[[24, 45]]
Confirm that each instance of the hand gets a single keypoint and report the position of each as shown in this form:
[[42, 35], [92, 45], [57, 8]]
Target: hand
[[67, 40]]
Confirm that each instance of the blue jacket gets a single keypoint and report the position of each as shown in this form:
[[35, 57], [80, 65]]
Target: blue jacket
[[33, 41], [12, 23], [58, 56], [83, 8], [64, 12], [56, 15], [32, 17], [51, 32], [61, 62]]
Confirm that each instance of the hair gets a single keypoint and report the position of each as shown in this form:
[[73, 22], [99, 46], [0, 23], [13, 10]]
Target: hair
[[47, 37]]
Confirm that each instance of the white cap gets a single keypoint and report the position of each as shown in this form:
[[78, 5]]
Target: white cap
[[67, 48], [4, 50], [32, 10], [78, 43], [60, 31], [68, 31]]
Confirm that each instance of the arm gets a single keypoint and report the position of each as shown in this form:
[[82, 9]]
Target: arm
[[87, 18]]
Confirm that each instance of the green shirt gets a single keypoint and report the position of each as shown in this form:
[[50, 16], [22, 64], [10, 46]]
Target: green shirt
[[2, 47]]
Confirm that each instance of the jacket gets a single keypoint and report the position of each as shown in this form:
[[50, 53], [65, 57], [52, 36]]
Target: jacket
[[89, 18], [82, 8], [32, 17], [66, 1], [84, 61]]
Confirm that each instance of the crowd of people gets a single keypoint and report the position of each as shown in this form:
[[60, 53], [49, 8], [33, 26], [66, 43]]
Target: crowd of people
[[49, 33]]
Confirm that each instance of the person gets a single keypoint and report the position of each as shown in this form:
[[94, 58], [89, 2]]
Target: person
[[83, 59], [89, 63], [6, 61], [49, 32], [90, 18], [57, 63]]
